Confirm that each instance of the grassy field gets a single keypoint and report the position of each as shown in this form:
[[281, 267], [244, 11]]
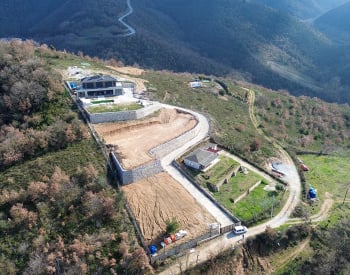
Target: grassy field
[[258, 204], [329, 175], [218, 172], [114, 108], [240, 184]]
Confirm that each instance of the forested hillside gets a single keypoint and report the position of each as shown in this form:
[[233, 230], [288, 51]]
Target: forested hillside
[[304, 9], [242, 38], [58, 211], [335, 24]]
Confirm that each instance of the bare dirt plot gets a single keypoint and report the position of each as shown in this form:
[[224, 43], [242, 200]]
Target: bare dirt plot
[[134, 139], [139, 82], [160, 197], [127, 70]]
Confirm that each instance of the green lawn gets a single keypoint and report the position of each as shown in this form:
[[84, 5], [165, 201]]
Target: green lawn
[[257, 205], [114, 108], [218, 171], [329, 175], [240, 184]]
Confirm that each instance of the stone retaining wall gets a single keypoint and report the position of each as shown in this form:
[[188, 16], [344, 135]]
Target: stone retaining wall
[[167, 147], [153, 167], [122, 115], [129, 176]]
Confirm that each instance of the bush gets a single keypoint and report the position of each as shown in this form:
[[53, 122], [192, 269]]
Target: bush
[[171, 226]]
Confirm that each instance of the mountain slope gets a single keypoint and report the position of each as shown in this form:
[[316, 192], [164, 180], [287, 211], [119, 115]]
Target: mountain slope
[[303, 9], [336, 24], [222, 37], [276, 50]]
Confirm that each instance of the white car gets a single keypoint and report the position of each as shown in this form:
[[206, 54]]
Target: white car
[[239, 229]]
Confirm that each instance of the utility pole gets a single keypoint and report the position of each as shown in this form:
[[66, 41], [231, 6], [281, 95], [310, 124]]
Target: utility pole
[[346, 193], [273, 202]]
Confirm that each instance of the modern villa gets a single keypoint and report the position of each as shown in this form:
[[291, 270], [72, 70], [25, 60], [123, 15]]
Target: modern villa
[[99, 86]]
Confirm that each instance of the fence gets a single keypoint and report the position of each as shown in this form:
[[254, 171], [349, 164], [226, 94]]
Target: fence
[[228, 228], [178, 249]]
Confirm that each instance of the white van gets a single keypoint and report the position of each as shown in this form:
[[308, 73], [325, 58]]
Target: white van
[[239, 229]]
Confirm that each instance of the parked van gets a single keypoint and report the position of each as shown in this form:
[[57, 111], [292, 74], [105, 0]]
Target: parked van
[[239, 229]]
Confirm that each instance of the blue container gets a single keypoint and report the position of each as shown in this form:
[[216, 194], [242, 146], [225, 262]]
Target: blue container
[[312, 193], [153, 249]]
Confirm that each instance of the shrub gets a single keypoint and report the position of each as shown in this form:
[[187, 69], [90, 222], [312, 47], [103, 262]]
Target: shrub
[[171, 226]]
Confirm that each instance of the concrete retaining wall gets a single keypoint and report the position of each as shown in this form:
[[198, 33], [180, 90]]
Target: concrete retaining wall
[[122, 115], [129, 176]]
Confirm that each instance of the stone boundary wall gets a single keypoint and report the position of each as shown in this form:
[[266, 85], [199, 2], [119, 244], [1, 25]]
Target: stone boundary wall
[[231, 173], [169, 146], [129, 176], [122, 115], [209, 196], [153, 167], [246, 193]]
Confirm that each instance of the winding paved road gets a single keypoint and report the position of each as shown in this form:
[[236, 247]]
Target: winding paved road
[[166, 161], [130, 30], [229, 240]]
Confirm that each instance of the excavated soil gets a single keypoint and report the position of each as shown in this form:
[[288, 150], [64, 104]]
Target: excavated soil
[[160, 197], [133, 140]]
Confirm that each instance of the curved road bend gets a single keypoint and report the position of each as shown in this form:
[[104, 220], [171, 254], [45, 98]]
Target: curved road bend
[[130, 30], [228, 240], [166, 161]]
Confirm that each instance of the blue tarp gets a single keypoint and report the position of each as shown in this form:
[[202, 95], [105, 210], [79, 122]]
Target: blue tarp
[[72, 85], [153, 249], [312, 193]]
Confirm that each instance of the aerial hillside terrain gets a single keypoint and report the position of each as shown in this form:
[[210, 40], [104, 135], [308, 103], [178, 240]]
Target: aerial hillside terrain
[[60, 210], [302, 9], [335, 24], [246, 39]]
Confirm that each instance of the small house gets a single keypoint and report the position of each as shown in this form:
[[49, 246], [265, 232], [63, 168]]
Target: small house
[[200, 159], [195, 84]]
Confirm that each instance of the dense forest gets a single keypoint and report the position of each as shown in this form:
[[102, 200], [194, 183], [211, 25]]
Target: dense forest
[[252, 40], [33, 114], [59, 212], [301, 8]]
